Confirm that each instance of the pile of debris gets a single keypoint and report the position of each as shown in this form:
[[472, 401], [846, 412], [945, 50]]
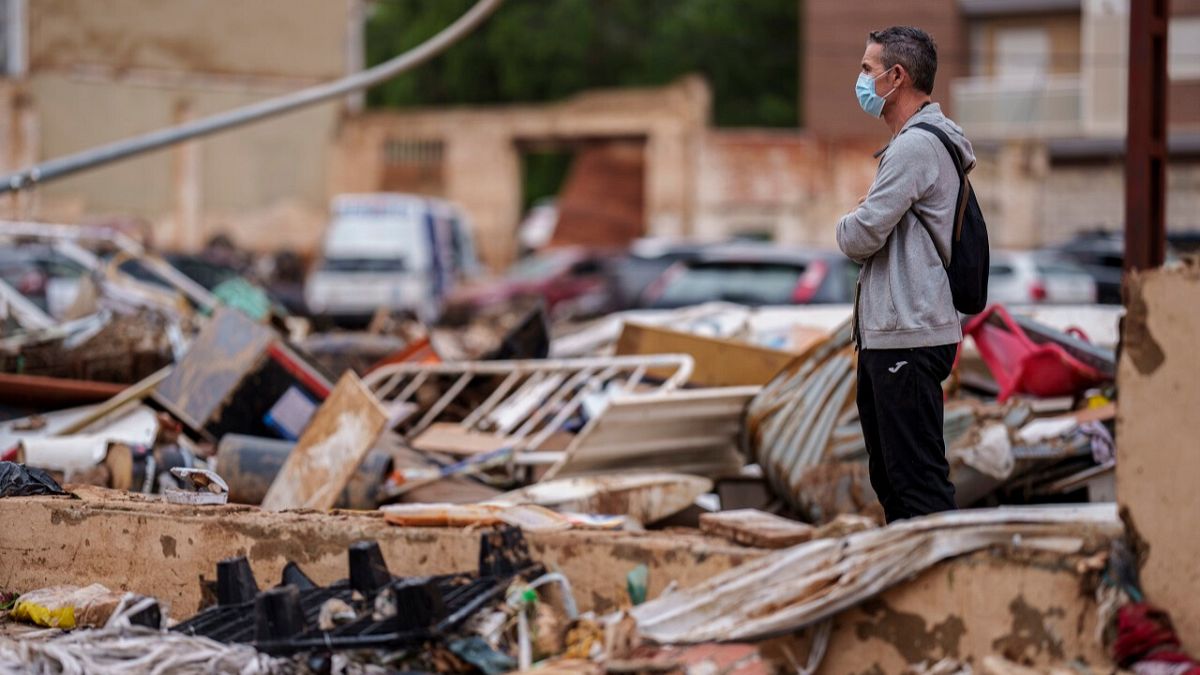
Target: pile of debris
[[736, 424]]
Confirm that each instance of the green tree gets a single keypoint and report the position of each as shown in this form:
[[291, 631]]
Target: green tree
[[540, 50]]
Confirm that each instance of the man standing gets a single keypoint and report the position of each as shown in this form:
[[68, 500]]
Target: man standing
[[905, 324]]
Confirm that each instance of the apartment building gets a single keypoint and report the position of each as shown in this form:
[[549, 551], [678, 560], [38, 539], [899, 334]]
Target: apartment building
[[1040, 88]]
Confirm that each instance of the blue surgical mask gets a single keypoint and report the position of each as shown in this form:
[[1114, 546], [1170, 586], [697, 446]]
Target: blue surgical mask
[[871, 103]]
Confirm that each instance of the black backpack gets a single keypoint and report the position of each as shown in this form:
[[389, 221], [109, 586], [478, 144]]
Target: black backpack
[[969, 258]]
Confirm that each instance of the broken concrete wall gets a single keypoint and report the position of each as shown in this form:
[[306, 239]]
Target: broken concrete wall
[[265, 38], [478, 152], [1029, 607], [129, 542], [1034, 611], [101, 72], [1158, 442]]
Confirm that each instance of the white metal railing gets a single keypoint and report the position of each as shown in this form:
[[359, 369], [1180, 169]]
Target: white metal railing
[[989, 107], [523, 402]]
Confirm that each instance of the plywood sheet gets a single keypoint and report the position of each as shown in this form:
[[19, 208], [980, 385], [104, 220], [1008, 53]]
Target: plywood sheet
[[329, 451]]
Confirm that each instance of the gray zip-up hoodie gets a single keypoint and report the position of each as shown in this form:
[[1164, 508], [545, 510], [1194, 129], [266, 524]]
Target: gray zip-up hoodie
[[903, 299]]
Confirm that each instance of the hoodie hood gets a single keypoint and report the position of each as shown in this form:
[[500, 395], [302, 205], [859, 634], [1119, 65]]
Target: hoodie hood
[[932, 114]]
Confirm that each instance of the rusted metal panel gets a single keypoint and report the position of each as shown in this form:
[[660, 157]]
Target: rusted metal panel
[[54, 391], [806, 584], [1146, 144], [228, 348]]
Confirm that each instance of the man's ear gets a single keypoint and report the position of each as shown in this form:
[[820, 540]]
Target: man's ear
[[899, 75]]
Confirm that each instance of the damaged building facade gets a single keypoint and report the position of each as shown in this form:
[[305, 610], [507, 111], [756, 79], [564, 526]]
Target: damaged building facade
[[1038, 86], [78, 74]]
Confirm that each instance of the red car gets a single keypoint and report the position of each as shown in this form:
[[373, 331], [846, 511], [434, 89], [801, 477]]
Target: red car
[[573, 282]]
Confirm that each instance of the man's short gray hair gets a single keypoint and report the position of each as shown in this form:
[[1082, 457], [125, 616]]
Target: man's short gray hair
[[911, 48]]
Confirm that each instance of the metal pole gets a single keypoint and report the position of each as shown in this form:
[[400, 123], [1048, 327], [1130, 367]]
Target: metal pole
[[88, 159], [1146, 144]]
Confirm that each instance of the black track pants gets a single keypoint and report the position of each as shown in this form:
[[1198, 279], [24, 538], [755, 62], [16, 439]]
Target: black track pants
[[900, 406]]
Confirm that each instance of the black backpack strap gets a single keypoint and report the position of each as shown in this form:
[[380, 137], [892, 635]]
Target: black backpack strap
[[960, 204]]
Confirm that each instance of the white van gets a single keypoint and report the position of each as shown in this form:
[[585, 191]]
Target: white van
[[402, 252]]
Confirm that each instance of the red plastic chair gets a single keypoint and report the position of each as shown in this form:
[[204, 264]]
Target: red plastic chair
[[1022, 366]]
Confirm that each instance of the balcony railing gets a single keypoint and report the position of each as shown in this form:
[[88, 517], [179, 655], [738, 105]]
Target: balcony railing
[[999, 108]]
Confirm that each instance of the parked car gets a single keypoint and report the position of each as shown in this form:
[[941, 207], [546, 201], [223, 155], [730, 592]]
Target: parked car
[[645, 262], [1101, 254], [570, 281], [402, 252], [755, 275], [1022, 277]]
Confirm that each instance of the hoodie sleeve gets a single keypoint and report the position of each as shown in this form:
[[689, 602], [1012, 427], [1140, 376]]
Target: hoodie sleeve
[[907, 172]]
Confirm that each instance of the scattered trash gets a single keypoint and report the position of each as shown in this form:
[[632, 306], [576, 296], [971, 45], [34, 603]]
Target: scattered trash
[[388, 612], [725, 421], [636, 583], [68, 607], [1042, 364], [17, 480], [128, 650], [249, 464], [206, 488], [239, 377], [644, 497]]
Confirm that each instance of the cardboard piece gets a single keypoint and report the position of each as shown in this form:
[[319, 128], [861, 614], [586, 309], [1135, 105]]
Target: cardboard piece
[[329, 451], [756, 528], [719, 363]]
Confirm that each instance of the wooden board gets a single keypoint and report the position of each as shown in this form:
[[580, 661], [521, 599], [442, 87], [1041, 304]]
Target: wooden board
[[452, 439], [756, 528], [719, 363], [329, 451]]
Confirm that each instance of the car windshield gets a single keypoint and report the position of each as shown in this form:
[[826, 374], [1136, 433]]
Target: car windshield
[[744, 283], [380, 237]]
